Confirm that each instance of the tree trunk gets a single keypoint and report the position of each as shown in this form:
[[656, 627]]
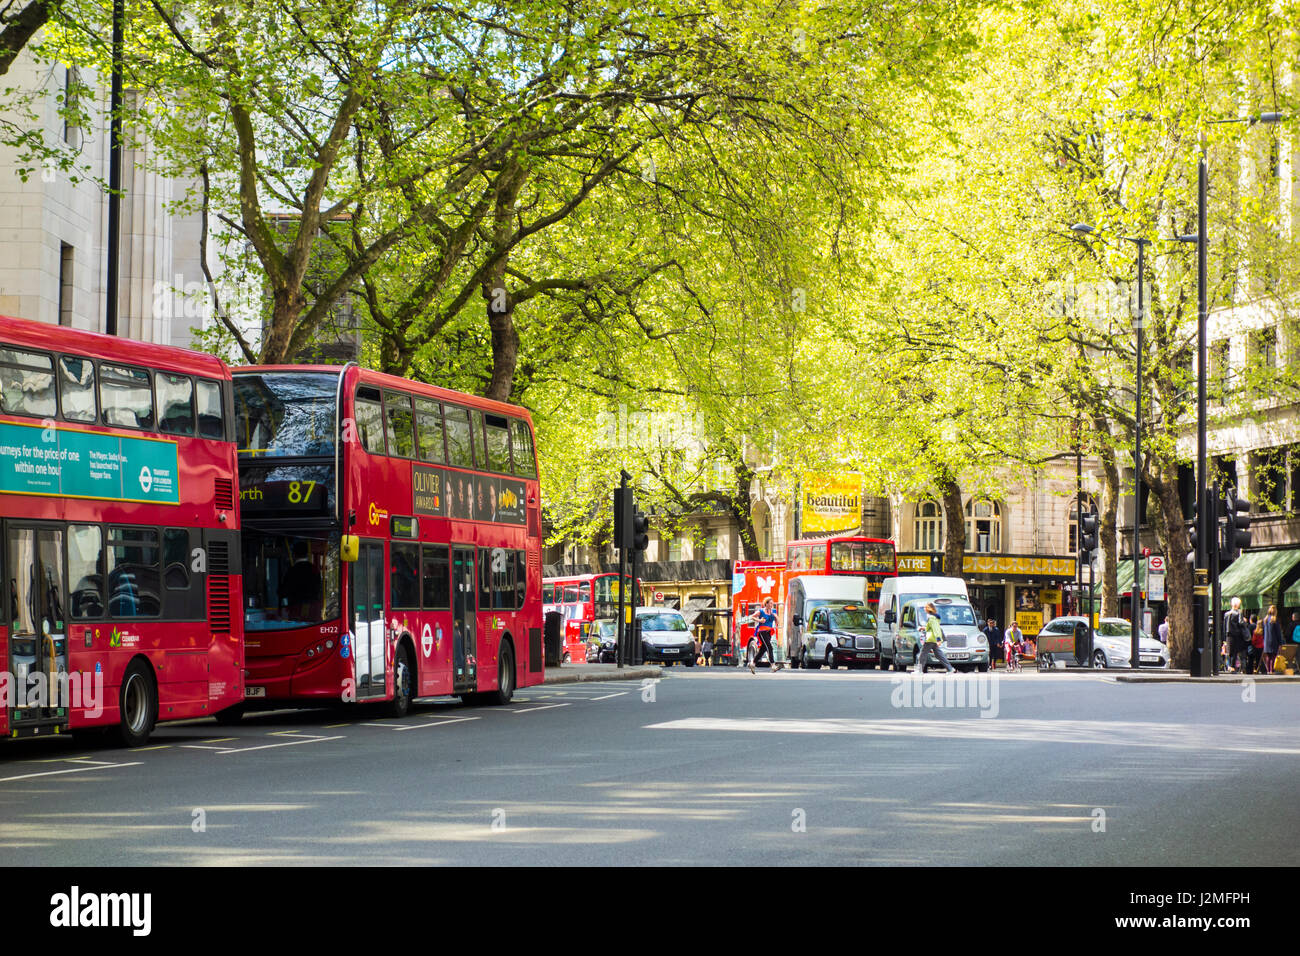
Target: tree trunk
[[500, 305], [742, 509], [21, 29], [286, 310], [1107, 536], [1172, 534], [954, 541]]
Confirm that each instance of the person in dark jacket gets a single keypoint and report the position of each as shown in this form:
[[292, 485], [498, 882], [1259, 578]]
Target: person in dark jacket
[[994, 634], [1237, 633], [1272, 638]]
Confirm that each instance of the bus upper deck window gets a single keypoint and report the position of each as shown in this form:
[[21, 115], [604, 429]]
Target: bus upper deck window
[[77, 389], [175, 404], [125, 396], [27, 383], [212, 419]]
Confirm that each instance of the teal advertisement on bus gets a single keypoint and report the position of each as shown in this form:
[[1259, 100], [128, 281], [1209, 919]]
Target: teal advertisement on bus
[[45, 460]]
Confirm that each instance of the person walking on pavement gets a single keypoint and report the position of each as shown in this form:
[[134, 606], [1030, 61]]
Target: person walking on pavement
[[1163, 630], [994, 634], [1238, 636], [933, 640], [1272, 638], [764, 628]]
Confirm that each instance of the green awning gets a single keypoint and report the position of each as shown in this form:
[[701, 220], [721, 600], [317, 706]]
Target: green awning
[[1292, 596], [1255, 576], [1123, 578]]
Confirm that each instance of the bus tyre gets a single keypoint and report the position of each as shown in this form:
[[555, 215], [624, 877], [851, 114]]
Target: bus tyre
[[505, 678], [138, 705], [231, 715], [403, 682]]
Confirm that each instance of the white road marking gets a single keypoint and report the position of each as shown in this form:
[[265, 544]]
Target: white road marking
[[608, 696], [53, 773], [438, 723], [529, 710], [287, 743]]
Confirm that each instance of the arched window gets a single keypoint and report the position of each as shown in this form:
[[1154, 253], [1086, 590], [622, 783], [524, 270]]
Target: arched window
[[983, 525], [929, 526], [1072, 522]]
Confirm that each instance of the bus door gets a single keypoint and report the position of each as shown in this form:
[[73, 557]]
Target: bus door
[[38, 646], [464, 612], [366, 589]]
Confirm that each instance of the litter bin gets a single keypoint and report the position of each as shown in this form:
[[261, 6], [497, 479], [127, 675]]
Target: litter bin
[[553, 638]]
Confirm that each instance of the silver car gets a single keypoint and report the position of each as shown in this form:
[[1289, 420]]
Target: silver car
[[1112, 641]]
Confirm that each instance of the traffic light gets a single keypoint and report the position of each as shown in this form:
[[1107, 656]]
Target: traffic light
[[1193, 533], [640, 531], [1235, 527], [624, 505], [1088, 536]]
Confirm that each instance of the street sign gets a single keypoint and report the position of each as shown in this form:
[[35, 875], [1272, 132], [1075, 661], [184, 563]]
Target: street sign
[[1156, 564], [1155, 586]]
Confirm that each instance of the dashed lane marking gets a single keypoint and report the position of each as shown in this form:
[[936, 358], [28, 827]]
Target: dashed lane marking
[[287, 743], [54, 773], [529, 710]]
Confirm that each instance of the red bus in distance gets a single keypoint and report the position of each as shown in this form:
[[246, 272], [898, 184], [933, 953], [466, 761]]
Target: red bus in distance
[[872, 558], [581, 599], [121, 535], [392, 539]]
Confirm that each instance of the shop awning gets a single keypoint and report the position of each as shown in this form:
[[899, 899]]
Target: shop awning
[[1123, 578], [1255, 577], [695, 607]]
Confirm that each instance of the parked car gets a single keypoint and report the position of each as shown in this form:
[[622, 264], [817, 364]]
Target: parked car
[[1111, 642], [665, 637], [840, 634], [806, 593], [602, 641], [964, 644]]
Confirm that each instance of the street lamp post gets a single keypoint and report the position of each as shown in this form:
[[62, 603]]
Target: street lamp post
[[1205, 526], [1138, 323]]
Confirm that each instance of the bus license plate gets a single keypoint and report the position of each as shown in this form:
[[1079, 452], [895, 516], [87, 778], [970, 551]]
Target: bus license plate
[[254, 691]]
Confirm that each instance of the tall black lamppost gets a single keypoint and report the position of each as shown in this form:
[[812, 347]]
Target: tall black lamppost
[[1138, 323], [1205, 523]]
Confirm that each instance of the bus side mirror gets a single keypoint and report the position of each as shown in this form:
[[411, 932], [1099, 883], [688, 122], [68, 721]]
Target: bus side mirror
[[889, 617], [349, 547]]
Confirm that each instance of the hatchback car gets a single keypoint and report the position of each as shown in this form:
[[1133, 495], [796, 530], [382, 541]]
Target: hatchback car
[[665, 636], [1112, 641]]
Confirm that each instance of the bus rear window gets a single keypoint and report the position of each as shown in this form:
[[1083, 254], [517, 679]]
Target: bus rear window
[[284, 413]]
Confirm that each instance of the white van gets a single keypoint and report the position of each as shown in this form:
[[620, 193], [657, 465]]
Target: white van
[[899, 591], [807, 592]]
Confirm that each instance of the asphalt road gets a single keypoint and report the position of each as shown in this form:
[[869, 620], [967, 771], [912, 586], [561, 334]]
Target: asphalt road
[[703, 767]]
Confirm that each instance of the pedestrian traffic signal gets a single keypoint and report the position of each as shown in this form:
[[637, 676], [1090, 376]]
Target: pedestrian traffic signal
[[1235, 527], [640, 531]]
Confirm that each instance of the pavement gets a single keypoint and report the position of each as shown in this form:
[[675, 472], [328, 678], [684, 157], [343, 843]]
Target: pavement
[[578, 673]]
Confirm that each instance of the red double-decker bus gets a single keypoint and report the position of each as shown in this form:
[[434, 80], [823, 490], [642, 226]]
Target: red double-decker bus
[[121, 535], [392, 539], [581, 599], [872, 558]]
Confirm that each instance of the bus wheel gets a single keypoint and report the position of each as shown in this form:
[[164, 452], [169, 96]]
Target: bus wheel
[[505, 678], [138, 705], [403, 682], [231, 715]]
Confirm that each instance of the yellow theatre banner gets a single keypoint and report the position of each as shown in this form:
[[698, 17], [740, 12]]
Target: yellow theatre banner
[[830, 502]]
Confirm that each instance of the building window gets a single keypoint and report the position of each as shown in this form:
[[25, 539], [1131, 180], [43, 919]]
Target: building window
[[929, 526], [676, 546], [1224, 471], [1261, 361], [1219, 374], [983, 526], [65, 284]]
